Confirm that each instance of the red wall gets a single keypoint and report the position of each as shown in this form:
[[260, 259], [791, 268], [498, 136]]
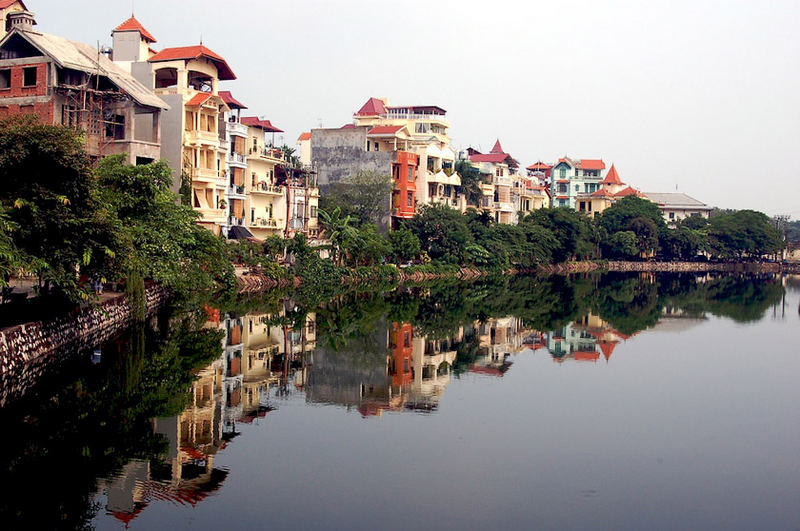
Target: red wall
[[402, 186], [44, 110]]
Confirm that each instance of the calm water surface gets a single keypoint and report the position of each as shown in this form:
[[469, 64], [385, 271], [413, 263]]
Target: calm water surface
[[593, 402]]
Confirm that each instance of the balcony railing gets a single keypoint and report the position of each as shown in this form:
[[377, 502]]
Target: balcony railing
[[267, 188], [415, 116], [269, 223], [236, 128], [236, 190], [236, 157], [234, 221], [209, 137], [266, 152], [206, 174], [502, 181]]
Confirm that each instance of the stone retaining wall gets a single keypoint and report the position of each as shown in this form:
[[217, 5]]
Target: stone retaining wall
[[27, 350]]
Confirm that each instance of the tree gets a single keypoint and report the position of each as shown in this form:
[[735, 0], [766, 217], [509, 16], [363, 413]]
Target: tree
[[470, 181], [340, 230], [575, 233], [623, 244], [49, 196], [442, 232], [743, 233], [405, 245], [154, 237], [365, 196]]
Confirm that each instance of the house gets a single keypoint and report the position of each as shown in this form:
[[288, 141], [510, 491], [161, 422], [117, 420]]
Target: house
[[194, 143], [64, 82], [611, 190], [501, 187], [570, 178], [676, 206], [7, 7]]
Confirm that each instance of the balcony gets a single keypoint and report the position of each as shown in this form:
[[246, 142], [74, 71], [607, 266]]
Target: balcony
[[236, 157], [502, 181], [206, 138], [233, 221], [264, 188], [268, 223], [503, 207], [216, 215], [234, 191], [205, 175], [236, 128], [266, 153], [438, 118]]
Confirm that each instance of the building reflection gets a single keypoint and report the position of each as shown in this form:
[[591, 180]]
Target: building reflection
[[586, 339], [255, 357]]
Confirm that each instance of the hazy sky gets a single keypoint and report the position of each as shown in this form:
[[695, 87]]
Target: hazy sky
[[702, 95]]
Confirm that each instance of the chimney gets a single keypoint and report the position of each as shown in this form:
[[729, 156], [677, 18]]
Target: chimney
[[22, 20]]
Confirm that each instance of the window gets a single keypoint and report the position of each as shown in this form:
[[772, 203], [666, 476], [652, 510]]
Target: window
[[376, 146], [410, 199], [115, 127], [411, 174], [5, 78], [406, 339], [577, 187], [313, 211], [672, 215], [562, 188], [562, 172], [29, 76]]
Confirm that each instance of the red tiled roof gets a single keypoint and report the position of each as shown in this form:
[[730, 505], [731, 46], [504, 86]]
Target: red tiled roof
[[373, 107], [539, 166], [8, 3], [134, 25], [612, 177], [232, 102], [561, 181], [304, 136], [628, 191], [592, 164], [263, 124], [348, 126], [607, 347], [195, 52], [385, 130], [586, 355], [487, 370], [602, 192], [562, 197], [490, 157], [198, 99], [497, 148]]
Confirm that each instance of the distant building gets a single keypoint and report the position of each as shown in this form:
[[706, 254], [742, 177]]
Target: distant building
[[500, 186], [571, 178], [677, 206], [611, 190], [64, 82], [7, 7]]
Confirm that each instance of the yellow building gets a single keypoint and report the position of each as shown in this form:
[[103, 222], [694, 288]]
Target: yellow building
[[501, 184], [266, 198], [611, 189], [425, 133]]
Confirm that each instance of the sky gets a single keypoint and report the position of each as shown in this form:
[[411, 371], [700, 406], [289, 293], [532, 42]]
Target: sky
[[697, 96]]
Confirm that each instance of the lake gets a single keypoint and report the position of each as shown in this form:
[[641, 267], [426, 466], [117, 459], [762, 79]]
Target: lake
[[583, 402]]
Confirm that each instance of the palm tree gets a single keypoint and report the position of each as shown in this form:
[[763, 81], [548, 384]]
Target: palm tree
[[339, 230]]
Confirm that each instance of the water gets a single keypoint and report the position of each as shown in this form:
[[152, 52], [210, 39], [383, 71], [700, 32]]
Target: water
[[590, 402]]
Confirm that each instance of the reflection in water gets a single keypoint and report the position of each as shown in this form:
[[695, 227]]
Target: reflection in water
[[146, 424]]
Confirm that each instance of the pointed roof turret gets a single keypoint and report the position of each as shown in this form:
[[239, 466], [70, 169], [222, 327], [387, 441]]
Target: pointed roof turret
[[497, 148], [607, 347], [373, 107], [612, 177], [134, 25]]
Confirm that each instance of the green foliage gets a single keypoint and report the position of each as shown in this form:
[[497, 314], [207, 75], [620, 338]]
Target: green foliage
[[470, 181], [576, 235], [364, 197], [442, 231], [340, 230], [623, 244], [743, 233], [405, 245], [370, 247], [49, 196]]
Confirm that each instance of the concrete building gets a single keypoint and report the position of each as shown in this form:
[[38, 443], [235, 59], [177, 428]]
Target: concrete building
[[8, 7], [194, 143], [506, 194], [611, 190], [410, 143], [64, 82], [677, 206], [571, 178]]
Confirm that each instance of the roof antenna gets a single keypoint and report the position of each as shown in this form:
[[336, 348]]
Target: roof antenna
[[132, 11]]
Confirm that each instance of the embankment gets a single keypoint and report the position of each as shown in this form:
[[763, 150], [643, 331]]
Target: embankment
[[27, 350]]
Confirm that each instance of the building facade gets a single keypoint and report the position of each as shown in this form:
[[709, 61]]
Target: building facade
[[570, 178], [63, 82]]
